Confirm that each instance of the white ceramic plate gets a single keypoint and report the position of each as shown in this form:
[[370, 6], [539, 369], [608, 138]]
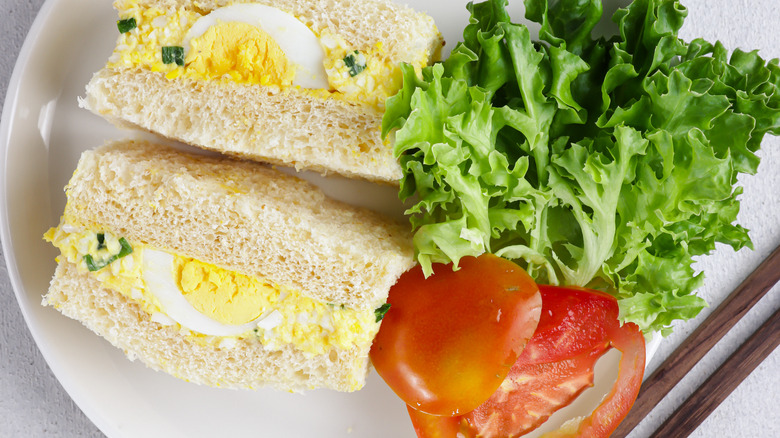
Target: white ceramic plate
[[43, 134]]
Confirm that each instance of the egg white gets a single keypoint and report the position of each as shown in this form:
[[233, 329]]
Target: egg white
[[297, 41], [159, 281]]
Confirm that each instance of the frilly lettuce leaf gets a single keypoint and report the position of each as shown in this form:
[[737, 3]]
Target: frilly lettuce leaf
[[605, 163]]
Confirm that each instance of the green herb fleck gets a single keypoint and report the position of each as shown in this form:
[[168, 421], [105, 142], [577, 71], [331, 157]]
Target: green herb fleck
[[93, 266], [381, 311], [101, 238], [126, 25], [173, 55], [356, 63]]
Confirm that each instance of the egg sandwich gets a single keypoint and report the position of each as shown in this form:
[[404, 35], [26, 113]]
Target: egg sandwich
[[223, 272], [294, 82]]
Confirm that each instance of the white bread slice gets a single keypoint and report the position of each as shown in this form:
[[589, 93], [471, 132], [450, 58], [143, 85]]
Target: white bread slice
[[240, 216], [291, 127], [243, 217], [250, 121], [245, 365]]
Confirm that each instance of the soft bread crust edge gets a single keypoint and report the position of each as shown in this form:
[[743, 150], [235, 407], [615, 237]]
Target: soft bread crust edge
[[245, 365], [252, 121], [240, 216]]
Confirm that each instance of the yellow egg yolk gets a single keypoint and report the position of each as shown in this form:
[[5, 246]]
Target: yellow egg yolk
[[228, 297], [232, 51], [225, 296], [241, 51]]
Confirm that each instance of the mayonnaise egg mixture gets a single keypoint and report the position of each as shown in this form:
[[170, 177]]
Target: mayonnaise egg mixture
[[252, 44], [216, 305]]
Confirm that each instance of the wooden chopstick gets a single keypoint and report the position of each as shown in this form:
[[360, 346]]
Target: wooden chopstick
[[677, 365], [723, 381]]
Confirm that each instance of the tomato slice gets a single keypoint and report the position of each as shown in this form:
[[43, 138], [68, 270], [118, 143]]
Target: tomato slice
[[556, 365], [630, 341], [448, 341], [576, 327], [439, 426], [533, 392], [574, 321]]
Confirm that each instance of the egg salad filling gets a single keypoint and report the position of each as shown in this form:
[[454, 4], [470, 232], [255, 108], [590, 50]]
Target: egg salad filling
[[241, 51], [253, 44], [361, 76], [214, 305]]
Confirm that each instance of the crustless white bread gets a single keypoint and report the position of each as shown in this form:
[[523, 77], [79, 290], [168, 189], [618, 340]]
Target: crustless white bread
[[240, 217], [323, 131]]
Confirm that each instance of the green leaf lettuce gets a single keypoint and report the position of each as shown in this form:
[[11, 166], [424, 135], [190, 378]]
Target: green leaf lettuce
[[605, 163]]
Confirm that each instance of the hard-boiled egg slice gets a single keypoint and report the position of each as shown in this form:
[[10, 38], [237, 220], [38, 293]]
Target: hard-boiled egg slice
[[158, 275], [299, 44]]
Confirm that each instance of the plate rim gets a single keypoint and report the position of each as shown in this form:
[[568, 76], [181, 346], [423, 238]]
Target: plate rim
[[10, 110], [9, 115]]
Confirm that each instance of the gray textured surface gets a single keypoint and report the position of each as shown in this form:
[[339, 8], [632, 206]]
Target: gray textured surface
[[33, 404]]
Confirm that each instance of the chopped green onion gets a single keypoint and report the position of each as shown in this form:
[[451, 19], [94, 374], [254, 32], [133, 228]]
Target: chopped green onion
[[173, 55], [96, 266], [126, 248], [101, 238], [380, 311], [356, 63], [126, 25], [91, 265]]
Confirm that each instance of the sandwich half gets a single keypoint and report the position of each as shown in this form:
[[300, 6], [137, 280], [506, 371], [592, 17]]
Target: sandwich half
[[294, 82], [222, 272]]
